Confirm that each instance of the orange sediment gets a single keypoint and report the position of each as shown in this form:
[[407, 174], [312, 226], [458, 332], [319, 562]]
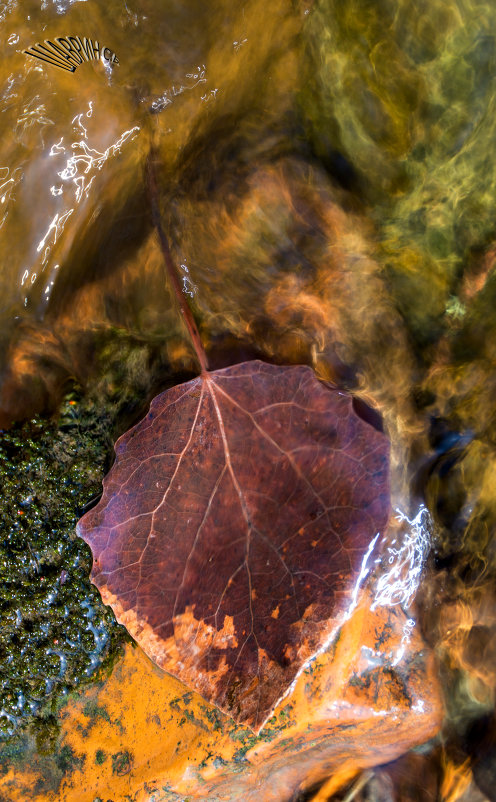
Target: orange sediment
[[142, 735]]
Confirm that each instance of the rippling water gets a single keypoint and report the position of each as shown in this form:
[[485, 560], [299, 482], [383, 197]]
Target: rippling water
[[328, 188]]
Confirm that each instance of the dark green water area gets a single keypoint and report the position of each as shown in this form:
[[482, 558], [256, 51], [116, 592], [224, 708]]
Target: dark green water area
[[328, 185]]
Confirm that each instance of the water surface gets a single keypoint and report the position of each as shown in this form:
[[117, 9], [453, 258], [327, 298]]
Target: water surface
[[328, 190]]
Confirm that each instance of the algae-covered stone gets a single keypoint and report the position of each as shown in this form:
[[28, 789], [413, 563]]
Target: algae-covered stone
[[55, 633]]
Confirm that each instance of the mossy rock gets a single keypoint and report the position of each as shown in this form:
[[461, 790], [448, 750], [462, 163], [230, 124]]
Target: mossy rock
[[55, 633]]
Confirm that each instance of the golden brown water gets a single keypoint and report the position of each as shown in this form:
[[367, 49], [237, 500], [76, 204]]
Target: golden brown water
[[328, 189]]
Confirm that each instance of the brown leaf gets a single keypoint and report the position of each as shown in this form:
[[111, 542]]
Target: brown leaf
[[233, 526]]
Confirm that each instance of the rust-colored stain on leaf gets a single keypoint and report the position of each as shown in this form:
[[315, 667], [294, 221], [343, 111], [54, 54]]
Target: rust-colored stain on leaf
[[233, 525]]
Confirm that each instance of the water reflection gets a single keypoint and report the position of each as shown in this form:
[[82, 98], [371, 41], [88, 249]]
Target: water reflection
[[9, 179], [79, 170], [405, 556]]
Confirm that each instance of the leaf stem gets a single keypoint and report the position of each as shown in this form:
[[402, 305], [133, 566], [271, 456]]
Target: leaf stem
[[151, 180]]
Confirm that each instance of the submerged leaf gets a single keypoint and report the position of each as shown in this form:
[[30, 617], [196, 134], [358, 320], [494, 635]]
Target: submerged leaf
[[233, 525]]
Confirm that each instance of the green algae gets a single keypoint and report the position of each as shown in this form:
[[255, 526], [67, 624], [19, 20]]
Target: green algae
[[121, 763], [55, 633], [100, 757]]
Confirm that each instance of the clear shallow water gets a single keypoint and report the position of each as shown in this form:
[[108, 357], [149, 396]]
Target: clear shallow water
[[328, 189]]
